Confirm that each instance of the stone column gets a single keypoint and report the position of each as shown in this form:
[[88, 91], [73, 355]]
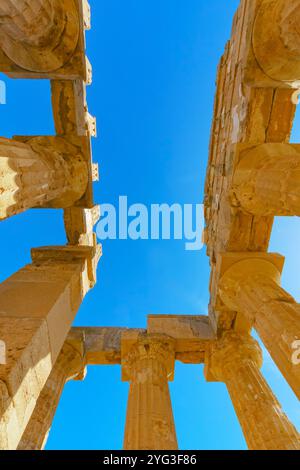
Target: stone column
[[252, 288], [267, 180], [39, 35], [45, 171], [148, 363], [38, 305], [236, 361], [70, 365], [276, 39]]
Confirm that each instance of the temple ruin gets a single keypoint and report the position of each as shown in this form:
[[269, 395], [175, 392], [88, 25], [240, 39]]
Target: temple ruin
[[253, 175]]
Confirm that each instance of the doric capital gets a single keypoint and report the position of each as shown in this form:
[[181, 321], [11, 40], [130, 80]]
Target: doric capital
[[240, 272], [276, 39], [230, 352], [266, 179], [147, 347], [41, 37]]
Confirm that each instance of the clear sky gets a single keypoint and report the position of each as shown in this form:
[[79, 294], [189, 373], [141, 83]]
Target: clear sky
[[154, 66]]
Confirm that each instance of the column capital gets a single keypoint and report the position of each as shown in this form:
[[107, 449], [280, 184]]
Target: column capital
[[42, 37], [136, 347], [230, 351], [266, 179], [276, 39], [238, 272]]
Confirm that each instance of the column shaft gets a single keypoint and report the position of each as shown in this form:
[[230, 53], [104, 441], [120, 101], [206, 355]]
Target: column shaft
[[272, 311], [236, 361], [150, 422], [68, 365], [39, 174], [38, 305]]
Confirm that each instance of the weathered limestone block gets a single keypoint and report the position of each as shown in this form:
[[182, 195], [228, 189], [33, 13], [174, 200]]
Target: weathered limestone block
[[251, 286], [236, 361], [103, 345], [267, 180], [70, 109], [71, 118], [276, 40], [251, 108], [47, 172], [39, 35], [70, 365], [79, 224], [38, 305], [192, 334], [148, 363]]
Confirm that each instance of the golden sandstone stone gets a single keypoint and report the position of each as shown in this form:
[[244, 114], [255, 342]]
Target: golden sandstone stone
[[253, 175], [148, 362]]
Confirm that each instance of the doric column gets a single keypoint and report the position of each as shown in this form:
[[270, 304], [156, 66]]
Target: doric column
[[276, 39], [267, 180], [38, 305], [45, 171], [68, 366], [236, 361], [148, 363], [39, 35], [252, 287]]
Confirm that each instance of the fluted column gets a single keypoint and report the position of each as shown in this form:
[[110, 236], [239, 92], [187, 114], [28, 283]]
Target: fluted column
[[267, 180], [252, 287], [39, 35], [69, 365], [38, 305], [41, 172], [276, 39], [236, 361], [149, 364]]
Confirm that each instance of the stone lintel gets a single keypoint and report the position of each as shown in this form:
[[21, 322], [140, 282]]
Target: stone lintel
[[192, 333], [103, 345], [62, 253]]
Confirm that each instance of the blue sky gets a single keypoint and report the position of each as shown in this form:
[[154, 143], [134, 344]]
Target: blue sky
[[154, 66]]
